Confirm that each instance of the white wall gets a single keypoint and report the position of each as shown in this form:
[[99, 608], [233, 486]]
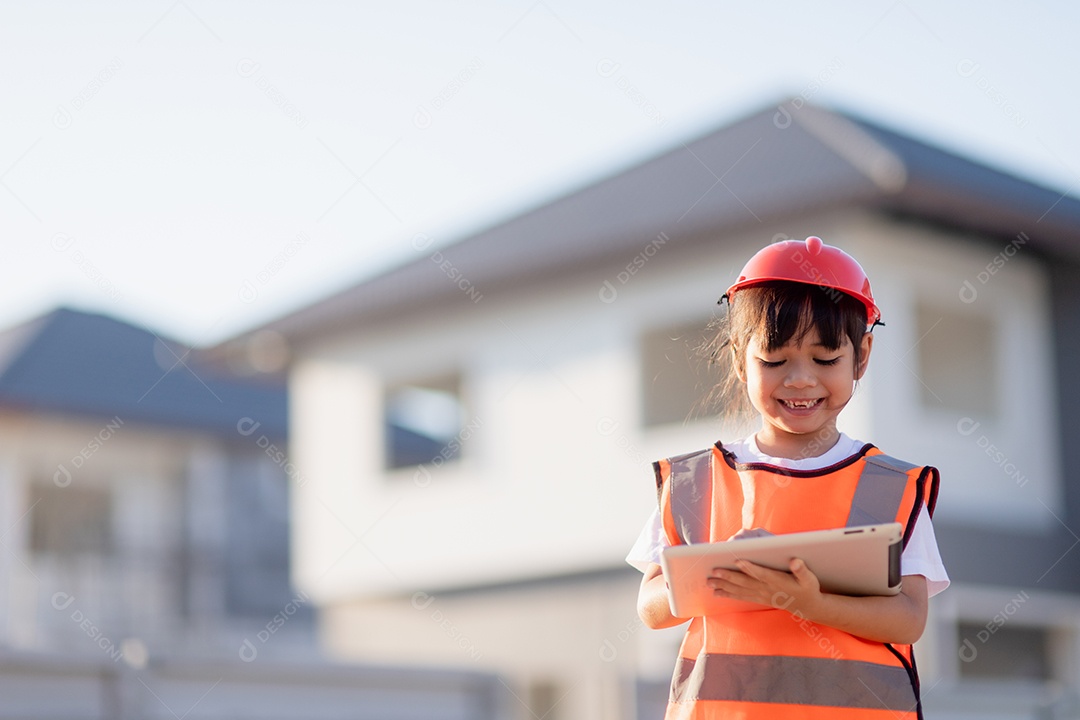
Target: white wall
[[128, 593], [1003, 472], [166, 487], [580, 636], [556, 477]]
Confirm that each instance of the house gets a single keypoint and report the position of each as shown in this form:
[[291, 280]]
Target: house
[[144, 497], [144, 500], [475, 426]]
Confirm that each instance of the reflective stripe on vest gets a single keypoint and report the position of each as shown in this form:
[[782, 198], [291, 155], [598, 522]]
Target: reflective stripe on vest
[[880, 490], [691, 490], [798, 681], [878, 494]]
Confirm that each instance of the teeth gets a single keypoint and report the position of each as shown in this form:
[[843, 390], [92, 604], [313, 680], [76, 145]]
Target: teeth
[[800, 403]]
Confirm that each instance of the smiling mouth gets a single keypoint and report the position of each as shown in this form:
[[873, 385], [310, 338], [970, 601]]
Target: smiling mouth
[[801, 404]]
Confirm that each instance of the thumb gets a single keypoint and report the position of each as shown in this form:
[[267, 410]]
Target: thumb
[[801, 572]]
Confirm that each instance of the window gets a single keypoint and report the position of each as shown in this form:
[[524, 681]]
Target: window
[[957, 360], [993, 652], [676, 374], [256, 548], [543, 698], [424, 422], [70, 521]]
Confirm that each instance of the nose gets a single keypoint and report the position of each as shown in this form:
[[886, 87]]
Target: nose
[[800, 375]]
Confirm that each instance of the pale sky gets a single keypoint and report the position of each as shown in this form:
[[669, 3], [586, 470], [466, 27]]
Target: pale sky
[[203, 167]]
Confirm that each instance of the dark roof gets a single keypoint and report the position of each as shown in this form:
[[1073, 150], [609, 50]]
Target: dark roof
[[956, 191], [92, 365], [777, 163]]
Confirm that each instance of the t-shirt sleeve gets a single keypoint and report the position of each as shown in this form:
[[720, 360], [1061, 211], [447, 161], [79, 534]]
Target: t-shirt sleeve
[[649, 543], [921, 556]]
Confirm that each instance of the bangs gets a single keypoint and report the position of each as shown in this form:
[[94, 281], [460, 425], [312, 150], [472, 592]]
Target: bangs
[[784, 312]]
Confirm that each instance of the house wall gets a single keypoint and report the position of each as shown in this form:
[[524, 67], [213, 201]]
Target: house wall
[[119, 590], [1020, 489], [550, 382], [563, 647], [168, 577]]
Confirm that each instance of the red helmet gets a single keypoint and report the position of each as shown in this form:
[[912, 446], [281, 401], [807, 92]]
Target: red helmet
[[811, 262]]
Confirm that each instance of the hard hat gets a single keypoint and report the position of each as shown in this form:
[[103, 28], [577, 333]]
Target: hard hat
[[811, 262]]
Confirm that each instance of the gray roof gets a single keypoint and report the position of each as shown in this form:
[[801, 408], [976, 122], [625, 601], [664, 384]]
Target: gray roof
[[779, 162], [91, 365]]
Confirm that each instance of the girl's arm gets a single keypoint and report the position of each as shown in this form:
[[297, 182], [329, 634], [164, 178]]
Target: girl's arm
[[894, 619], [652, 605]]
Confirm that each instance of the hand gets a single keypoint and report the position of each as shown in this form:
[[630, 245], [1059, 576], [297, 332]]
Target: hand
[[797, 591], [752, 533]]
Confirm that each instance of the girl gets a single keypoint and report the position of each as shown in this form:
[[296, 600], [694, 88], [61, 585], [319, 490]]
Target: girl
[[798, 331]]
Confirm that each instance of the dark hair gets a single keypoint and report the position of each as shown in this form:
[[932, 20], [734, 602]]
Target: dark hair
[[778, 312]]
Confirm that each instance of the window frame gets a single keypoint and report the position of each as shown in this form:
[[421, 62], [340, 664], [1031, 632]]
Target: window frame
[[450, 383]]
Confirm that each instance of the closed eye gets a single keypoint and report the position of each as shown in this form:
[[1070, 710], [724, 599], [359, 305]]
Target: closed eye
[[832, 361], [768, 364]]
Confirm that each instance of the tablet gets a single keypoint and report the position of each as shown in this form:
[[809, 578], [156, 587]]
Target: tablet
[[863, 560]]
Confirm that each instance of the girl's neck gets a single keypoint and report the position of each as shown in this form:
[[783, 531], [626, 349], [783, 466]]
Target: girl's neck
[[796, 447]]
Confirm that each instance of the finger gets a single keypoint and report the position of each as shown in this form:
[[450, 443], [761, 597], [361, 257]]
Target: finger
[[739, 592], [802, 574], [727, 578], [759, 572]]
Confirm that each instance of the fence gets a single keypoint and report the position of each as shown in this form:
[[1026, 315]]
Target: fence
[[40, 687]]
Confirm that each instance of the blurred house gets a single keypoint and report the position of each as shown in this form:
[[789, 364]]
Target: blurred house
[[145, 532], [475, 427], [143, 498]]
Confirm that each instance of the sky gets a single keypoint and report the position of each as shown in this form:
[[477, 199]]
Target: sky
[[201, 168]]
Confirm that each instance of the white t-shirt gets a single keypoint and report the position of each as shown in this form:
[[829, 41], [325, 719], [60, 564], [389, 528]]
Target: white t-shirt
[[920, 557]]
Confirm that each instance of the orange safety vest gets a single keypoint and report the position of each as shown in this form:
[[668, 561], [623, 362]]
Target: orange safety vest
[[771, 663]]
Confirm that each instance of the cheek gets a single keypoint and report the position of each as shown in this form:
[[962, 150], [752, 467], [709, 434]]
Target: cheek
[[842, 377], [757, 380]]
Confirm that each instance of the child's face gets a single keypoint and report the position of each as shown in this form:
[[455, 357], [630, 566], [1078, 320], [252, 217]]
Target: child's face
[[800, 390]]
